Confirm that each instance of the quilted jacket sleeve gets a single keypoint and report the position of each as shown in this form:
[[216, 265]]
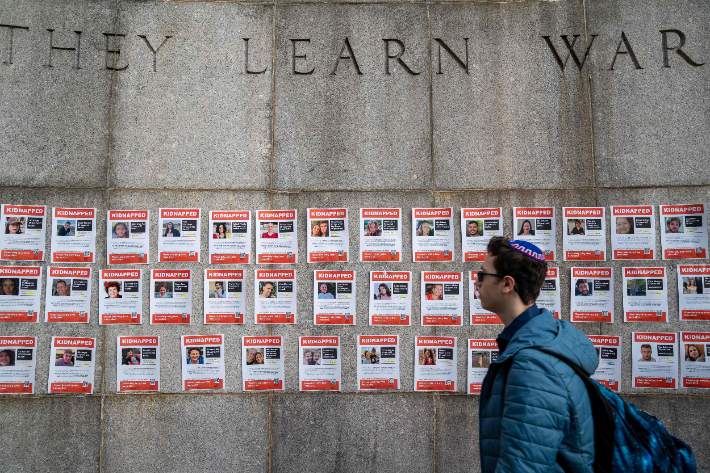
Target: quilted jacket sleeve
[[536, 413]]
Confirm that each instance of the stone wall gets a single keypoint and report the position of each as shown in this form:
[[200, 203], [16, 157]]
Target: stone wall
[[475, 111]]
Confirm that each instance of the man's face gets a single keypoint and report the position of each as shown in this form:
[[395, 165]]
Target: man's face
[[251, 355], [268, 289], [646, 353], [270, 227], [473, 228], [578, 225], [583, 288], [489, 287], [323, 227], [673, 226], [323, 288], [218, 286], [67, 225], [61, 288], [67, 356]]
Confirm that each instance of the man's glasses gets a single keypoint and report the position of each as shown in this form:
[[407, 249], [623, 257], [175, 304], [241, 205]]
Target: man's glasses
[[481, 274]]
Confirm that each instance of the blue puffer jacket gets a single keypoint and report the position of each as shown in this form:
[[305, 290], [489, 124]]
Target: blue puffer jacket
[[534, 412]]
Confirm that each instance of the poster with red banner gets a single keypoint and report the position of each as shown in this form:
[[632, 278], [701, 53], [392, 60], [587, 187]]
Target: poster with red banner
[[608, 372], [537, 225], [684, 232], [224, 296], [276, 236], [481, 353], [138, 363], [435, 367], [170, 296], [120, 296], [334, 297], [71, 365], [18, 358], [390, 297], [695, 361], [655, 360], [592, 295], [549, 297], [73, 235], [68, 295], [378, 362], [433, 234], [179, 236], [693, 291], [262, 363], [633, 232], [230, 242], [202, 362], [319, 366], [584, 237], [20, 293], [479, 315], [645, 295], [381, 235], [328, 237], [275, 296], [23, 232], [442, 298], [128, 239], [478, 226]]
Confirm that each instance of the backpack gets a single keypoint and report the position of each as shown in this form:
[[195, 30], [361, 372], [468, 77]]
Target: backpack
[[629, 439]]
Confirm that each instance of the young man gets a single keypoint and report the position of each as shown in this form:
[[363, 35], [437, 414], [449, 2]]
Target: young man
[[534, 411]]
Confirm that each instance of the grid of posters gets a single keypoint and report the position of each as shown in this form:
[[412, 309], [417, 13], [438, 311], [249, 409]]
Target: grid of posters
[[381, 231], [73, 235], [478, 226], [693, 292], [645, 295], [479, 315], [128, 240], [328, 235], [71, 365], [137, 363], [537, 225], [68, 295], [378, 362], [230, 242], [179, 237], [592, 295], [442, 298], [655, 360], [608, 373], [435, 364], [224, 296], [549, 297], [120, 296], [685, 231], [276, 237], [23, 233], [481, 353], [170, 296], [390, 298], [695, 361], [18, 358], [584, 238], [262, 363], [433, 234], [334, 297], [319, 369], [203, 362], [633, 232], [20, 293], [275, 296]]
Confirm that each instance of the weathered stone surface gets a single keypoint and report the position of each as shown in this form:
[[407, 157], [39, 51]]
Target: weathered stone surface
[[457, 433], [215, 433], [353, 433], [54, 121], [349, 130], [189, 116], [514, 121]]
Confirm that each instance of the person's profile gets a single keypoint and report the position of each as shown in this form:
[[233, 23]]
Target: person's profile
[[64, 357], [576, 226], [695, 352], [7, 357], [131, 356], [526, 227], [311, 356], [326, 290], [269, 230], [373, 227], [194, 356], [383, 291], [646, 353], [10, 287], [171, 228]]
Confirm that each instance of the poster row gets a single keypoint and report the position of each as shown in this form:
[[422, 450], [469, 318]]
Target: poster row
[[72, 361], [73, 234], [390, 293]]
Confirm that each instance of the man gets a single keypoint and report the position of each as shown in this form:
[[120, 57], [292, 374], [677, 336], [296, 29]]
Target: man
[[646, 352], [534, 411], [324, 294], [65, 360], [582, 287], [577, 230], [61, 288], [65, 230], [673, 225], [266, 291], [218, 291], [324, 228], [250, 356], [269, 233], [472, 229]]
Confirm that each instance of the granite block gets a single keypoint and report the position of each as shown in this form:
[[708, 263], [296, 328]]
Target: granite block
[[457, 433]]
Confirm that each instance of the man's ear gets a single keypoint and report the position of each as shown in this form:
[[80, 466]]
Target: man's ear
[[508, 284]]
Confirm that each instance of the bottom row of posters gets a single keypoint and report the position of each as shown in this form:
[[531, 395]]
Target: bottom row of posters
[[72, 361]]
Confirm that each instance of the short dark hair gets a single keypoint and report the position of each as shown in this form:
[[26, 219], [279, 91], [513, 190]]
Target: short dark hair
[[668, 222], [528, 273], [647, 345]]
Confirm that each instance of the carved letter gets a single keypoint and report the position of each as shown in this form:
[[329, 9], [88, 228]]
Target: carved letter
[[11, 28], [246, 59], [570, 48], [397, 56], [677, 49], [295, 56], [629, 51], [52, 47], [351, 55], [154, 50], [111, 65], [463, 65]]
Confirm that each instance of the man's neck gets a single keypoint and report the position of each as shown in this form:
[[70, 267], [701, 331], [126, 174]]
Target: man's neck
[[512, 310]]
